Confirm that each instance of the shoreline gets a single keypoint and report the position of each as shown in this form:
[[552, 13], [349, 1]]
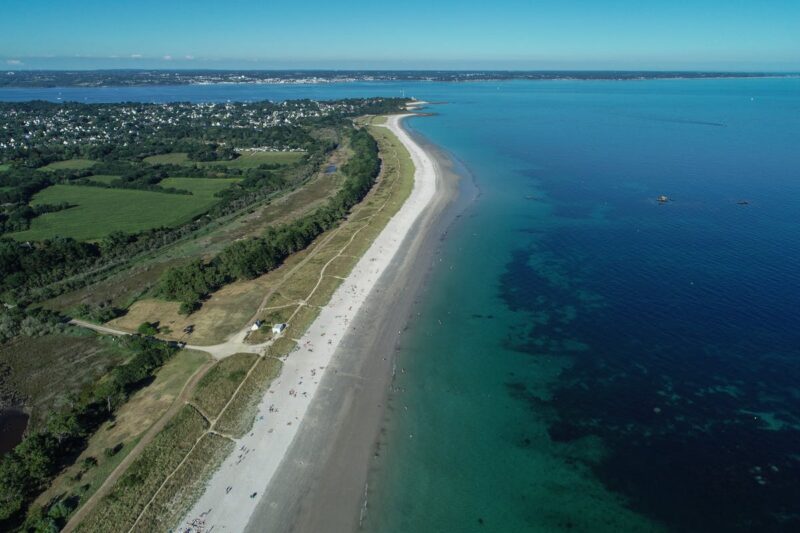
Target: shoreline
[[297, 410]]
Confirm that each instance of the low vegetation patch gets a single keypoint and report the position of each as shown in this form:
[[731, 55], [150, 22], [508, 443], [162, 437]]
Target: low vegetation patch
[[81, 480], [175, 499], [30, 467], [246, 159], [238, 418], [206, 188], [218, 385], [44, 371], [119, 509]]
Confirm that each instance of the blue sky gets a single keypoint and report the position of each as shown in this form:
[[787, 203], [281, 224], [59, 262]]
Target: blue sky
[[446, 34]]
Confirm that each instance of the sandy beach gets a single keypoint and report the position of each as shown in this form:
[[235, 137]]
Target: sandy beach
[[304, 464]]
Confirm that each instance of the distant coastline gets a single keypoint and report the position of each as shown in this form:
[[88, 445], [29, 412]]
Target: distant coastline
[[137, 78]]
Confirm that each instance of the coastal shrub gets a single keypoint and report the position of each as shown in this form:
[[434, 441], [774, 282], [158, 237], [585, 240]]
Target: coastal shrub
[[148, 328]]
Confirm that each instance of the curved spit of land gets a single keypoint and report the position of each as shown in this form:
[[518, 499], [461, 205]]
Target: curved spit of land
[[288, 404], [229, 499]]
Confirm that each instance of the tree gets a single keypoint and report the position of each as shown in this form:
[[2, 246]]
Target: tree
[[64, 425], [148, 328], [13, 485]]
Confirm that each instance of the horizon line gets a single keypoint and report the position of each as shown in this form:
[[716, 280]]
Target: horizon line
[[371, 69]]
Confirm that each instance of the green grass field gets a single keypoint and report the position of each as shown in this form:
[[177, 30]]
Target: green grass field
[[246, 160], [99, 211], [177, 158], [70, 164], [4, 167]]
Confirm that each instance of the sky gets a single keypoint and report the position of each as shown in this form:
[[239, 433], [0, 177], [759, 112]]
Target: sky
[[738, 35]]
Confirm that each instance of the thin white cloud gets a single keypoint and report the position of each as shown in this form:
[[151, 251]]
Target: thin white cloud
[[167, 57], [136, 56], [189, 57], [14, 62]]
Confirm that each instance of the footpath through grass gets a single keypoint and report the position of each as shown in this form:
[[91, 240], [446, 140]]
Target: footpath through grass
[[218, 385], [119, 510]]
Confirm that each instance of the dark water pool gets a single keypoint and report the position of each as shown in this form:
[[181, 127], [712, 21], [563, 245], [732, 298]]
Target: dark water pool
[[12, 427]]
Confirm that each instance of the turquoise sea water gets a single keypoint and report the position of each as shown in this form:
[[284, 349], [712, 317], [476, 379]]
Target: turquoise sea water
[[585, 358]]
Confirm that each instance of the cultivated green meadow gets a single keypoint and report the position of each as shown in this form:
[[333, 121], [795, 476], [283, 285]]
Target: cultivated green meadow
[[99, 211]]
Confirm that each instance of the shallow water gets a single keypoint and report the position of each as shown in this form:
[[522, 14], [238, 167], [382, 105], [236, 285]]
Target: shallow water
[[586, 358]]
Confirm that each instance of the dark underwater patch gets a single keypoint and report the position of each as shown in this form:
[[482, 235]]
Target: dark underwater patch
[[700, 418]]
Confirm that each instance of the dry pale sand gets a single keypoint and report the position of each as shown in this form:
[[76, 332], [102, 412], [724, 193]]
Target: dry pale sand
[[315, 389]]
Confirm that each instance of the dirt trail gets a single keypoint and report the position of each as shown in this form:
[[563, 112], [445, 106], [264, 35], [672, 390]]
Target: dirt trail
[[152, 431]]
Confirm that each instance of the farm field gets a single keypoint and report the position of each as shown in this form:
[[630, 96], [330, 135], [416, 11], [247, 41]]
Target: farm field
[[69, 164], [246, 160], [99, 211]]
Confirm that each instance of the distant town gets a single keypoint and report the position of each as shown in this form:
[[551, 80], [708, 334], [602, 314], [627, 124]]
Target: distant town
[[42, 125], [101, 78]]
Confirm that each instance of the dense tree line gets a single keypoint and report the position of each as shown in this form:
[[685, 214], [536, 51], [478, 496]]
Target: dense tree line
[[246, 259], [18, 217], [211, 152], [27, 470], [40, 263]]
